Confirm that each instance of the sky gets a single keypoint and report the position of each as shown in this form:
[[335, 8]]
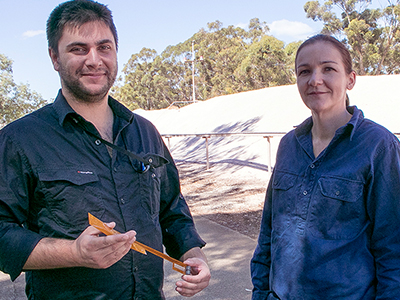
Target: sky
[[153, 24]]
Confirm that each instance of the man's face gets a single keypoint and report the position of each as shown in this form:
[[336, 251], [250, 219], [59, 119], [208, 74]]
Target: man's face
[[86, 61]]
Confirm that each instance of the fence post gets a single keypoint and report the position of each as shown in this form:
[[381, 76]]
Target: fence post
[[207, 156], [269, 154], [169, 143]]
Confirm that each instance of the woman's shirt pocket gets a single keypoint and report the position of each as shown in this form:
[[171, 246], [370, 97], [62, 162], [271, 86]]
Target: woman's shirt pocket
[[283, 201], [337, 210], [69, 195]]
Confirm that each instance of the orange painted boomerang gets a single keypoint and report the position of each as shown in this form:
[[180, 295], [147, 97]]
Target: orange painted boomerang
[[139, 247]]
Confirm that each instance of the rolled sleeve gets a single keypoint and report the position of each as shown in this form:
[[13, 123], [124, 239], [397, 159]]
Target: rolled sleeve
[[16, 242]]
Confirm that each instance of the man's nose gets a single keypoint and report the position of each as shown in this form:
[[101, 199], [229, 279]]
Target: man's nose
[[93, 58]]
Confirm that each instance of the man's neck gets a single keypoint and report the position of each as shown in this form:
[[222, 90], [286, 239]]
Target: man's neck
[[98, 113]]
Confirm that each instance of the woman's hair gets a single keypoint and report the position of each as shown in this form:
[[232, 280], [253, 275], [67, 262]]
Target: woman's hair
[[344, 52], [75, 13]]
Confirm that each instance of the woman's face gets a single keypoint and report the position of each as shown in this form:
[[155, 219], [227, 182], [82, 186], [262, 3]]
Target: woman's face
[[322, 80]]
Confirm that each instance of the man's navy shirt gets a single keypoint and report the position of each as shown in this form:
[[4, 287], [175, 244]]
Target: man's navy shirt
[[53, 173], [331, 224]]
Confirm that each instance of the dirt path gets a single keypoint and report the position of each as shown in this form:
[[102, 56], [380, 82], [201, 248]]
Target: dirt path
[[231, 201]]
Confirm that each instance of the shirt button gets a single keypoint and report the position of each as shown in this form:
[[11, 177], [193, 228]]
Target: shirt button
[[97, 142], [312, 166], [122, 200], [305, 193], [153, 175], [337, 193]]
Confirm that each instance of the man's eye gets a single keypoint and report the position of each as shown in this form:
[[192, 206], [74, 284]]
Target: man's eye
[[78, 50], [105, 47]]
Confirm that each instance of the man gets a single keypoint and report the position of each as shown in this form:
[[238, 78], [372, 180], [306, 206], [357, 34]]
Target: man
[[57, 166]]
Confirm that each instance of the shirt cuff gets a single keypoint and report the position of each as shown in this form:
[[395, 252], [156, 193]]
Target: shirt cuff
[[16, 244], [179, 243]]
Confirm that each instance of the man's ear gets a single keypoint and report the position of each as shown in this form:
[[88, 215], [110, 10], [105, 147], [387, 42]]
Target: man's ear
[[54, 59]]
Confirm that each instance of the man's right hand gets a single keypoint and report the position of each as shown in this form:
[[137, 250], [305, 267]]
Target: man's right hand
[[89, 250], [100, 252]]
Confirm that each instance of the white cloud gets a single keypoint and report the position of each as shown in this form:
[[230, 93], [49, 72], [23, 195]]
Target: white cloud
[[243, 25], [290, 30], [33, 33]]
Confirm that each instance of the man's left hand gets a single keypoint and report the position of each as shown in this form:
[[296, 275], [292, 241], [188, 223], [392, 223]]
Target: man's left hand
[[197, 281]]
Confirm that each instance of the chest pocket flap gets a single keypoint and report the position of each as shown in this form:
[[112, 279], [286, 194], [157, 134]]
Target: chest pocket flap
[[283, 181], [69, 194], [341, 189], [76, 176]]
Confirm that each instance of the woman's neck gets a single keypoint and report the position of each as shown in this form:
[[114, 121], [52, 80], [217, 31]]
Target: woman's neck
[[324, 129]]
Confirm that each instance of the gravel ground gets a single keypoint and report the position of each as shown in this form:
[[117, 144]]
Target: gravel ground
[[230, 200]]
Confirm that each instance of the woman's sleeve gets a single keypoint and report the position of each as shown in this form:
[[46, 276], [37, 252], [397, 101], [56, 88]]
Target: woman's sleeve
[[261, 261], [383, 207]]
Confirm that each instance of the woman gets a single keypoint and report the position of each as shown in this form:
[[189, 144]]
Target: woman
[[331, 220]]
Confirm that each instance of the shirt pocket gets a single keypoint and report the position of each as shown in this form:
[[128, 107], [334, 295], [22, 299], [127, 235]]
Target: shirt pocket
[[69, 195], [338, 210], [283, 201]]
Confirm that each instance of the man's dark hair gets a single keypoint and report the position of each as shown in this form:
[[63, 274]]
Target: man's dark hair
[[75, 13]]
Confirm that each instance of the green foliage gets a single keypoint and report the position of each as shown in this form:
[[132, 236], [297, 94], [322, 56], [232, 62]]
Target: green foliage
[[227, 60], [236, 60], [15, 100], [372, 35], [266, 63]]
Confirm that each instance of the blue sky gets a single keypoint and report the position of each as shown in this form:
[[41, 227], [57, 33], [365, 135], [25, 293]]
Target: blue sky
[[153, 24]]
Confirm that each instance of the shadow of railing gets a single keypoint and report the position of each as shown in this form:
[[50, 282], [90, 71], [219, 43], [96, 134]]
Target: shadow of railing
[[192, 139]]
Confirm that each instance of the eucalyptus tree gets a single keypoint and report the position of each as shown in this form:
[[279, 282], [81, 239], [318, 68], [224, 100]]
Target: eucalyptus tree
[[16, 100], [219, 60], [372, 34]]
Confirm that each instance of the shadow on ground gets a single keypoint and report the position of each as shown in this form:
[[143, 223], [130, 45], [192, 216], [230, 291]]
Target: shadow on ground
[[229, 254]]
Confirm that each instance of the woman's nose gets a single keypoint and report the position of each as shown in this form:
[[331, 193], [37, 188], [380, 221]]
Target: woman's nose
[[315, 78]]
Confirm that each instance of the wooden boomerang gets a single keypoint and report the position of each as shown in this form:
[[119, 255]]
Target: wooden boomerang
[[139, 247]]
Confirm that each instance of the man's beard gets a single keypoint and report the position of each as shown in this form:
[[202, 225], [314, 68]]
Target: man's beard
[[78, 89]]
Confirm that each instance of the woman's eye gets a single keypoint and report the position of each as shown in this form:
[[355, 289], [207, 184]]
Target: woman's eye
[[302, 72]]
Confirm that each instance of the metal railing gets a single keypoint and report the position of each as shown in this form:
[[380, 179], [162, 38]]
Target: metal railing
[[207, 136]]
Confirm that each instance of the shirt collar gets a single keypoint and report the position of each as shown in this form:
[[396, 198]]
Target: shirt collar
[[63, 109], [356, 119]]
